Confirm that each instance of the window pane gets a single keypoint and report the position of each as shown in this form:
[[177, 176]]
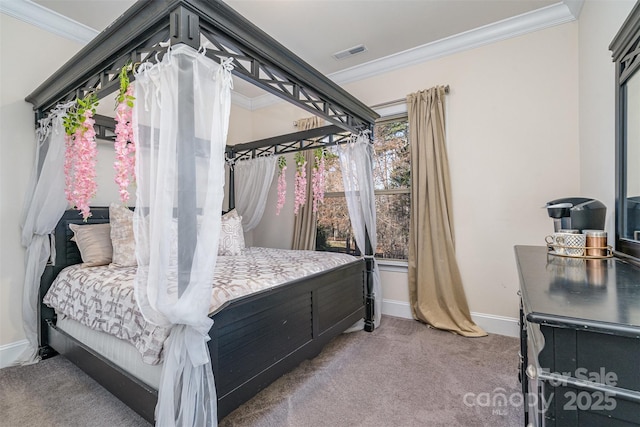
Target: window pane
[[392, 222], [391, 163], [334, 228], [391, 168], [333, 176]]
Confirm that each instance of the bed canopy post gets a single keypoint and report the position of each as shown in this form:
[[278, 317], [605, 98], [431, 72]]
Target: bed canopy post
[[184, 27], [187, 184], [369, 313], [231, 159]]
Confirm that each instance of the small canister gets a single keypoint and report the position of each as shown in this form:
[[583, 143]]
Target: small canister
[[569, 231], [596, 242]]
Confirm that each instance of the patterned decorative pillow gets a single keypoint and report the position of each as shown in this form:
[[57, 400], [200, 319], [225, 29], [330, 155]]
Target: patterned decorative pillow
[[94, 243], [231, 234], [122, 238]]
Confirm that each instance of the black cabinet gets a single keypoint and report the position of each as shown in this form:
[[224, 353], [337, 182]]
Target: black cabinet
[[580, 340]]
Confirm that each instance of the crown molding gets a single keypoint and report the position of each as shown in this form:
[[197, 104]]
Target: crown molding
[[556, 14], [242, 101], [255, 103], [263, 101], [575, 7], [48, 20]]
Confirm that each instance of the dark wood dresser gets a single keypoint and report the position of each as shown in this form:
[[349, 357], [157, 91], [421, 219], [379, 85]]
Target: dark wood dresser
[[580, 340]]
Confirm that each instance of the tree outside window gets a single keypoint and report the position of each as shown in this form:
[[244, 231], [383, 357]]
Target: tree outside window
[[391, 169]]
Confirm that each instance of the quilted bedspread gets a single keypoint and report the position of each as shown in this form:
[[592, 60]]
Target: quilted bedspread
[[102, 298]]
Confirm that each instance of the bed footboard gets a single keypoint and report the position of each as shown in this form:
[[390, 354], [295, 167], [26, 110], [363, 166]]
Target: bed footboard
[[256, 340]]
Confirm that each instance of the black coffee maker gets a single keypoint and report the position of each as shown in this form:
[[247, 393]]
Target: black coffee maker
[[577, 213]]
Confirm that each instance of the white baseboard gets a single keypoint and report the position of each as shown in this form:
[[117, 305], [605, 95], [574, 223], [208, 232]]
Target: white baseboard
[[493, 324], [9, 352], [396, 309], [499, 325]]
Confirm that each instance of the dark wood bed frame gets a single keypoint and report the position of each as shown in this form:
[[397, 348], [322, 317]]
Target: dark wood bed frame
[[254, 340]]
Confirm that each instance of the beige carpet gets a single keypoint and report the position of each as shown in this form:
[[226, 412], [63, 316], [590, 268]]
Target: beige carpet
[[403, 374]]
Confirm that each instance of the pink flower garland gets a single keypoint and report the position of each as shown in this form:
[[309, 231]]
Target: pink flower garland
[[300, 183], [80, 163], [282, 187], [125, 148], [69, 167], [317, 179]]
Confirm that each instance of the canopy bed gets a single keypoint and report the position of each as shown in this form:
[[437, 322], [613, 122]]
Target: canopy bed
[[257, 337]]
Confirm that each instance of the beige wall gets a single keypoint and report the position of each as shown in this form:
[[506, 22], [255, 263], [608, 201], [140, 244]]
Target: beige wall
[[276, 231], [240, 125], [29, 56], [599, 23]]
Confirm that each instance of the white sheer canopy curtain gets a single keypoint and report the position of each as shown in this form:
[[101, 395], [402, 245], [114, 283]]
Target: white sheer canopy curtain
[[356, 164], [45, 203], [181, 118], [253, 179]]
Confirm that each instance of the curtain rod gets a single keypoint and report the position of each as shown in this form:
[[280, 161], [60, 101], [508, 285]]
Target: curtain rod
[[399, 101]]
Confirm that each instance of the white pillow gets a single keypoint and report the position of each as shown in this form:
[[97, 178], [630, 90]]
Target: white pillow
[[231, 240], [94, 243], [122, 238]]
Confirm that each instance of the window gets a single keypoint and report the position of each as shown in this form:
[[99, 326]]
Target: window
[[391, 171]]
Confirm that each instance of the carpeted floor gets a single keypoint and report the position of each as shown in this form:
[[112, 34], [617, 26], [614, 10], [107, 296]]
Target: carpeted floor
[[403, 374]]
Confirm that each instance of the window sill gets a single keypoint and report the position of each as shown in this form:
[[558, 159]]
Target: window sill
[[396, 266]]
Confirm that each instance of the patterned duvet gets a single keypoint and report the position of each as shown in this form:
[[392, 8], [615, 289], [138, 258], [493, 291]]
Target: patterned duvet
[[102, 298]]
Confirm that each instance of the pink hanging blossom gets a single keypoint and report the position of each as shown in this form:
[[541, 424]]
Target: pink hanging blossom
[[80, 155], [318, 179], [69, 168], [282, 189], [86, 147], [125, 148], [300, 183]]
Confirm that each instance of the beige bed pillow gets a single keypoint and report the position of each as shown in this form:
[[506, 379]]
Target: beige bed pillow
[[94, 243], [231, 240], [122, 238]]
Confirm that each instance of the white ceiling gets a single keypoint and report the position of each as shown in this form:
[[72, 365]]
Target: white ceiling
[[316, 29]]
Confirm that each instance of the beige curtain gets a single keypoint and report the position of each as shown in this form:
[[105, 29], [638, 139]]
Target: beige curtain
[[304, 225], [435, 286]]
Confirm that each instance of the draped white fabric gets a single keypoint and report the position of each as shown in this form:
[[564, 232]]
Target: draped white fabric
[[253, 180], [181, 118], [45, 204], [356, 163]]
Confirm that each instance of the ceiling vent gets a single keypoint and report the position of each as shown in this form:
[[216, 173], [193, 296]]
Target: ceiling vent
[[350, 52]]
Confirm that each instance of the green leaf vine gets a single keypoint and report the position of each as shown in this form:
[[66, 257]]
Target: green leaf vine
[[318, 154], [282, 162], [299, 160], [124, 86], [75, 115]]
